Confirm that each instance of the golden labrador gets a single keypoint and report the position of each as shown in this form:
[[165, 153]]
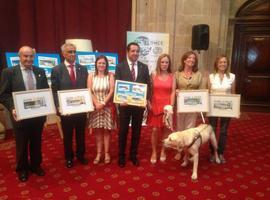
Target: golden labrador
[[190, 141]]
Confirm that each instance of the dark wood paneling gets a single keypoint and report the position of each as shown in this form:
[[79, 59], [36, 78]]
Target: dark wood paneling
[[251, 55]]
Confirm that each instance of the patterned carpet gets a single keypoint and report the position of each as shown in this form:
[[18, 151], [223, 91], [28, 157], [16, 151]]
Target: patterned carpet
[[246, 175]]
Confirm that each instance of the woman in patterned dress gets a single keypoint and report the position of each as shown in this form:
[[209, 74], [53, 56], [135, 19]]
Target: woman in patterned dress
[[101, 121], [221, 82], [163, 93]]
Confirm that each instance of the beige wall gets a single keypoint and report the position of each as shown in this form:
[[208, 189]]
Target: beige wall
[[177, 17]]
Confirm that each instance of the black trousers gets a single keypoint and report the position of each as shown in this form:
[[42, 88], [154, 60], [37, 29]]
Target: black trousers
[[135, 114], [69, 124], [224, 124], [28, 135]]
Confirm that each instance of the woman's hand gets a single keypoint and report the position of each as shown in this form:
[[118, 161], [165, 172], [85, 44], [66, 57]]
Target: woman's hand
[[100, 105], [149, 105]]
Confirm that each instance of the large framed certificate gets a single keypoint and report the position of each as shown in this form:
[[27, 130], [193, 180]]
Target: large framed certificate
[[224, 105], [130, 92], [75, 101], [193, 101], [33, 103]]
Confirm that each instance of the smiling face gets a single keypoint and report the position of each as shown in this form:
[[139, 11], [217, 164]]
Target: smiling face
[[190, 61], [222, 65], [69, 53], [26, 55], [133, 53], [101, 65], [164, 64]]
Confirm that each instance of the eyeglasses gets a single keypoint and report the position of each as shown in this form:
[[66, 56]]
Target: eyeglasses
[[71, 52]]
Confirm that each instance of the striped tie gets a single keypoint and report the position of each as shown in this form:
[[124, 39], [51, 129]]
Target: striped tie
[[30, 80], [133, 71]]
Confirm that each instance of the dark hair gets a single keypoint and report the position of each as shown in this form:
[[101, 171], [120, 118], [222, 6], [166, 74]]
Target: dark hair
[[216, 65], [132, 43], [107, 64], [164, 55], [184, 57]]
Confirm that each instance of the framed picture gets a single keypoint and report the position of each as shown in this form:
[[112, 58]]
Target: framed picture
[[224, 105], [88, 59], [193, 101], [47, 61], [33, 103], [130, 93], [75, 101], [12, 59]]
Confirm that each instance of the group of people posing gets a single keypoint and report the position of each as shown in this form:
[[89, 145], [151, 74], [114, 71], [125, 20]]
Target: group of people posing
[[163, 87]]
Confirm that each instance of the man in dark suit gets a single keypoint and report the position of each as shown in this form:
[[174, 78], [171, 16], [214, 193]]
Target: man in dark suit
[[28, 132], [69, 75], [131, 70]]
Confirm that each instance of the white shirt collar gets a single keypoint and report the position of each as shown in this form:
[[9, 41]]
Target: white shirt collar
[[25, 68], [67, 63], [129, 62]]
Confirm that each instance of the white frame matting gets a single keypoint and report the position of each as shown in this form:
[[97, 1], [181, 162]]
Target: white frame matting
[[33, 103], [192, 101], [75, 101], [224, 105]]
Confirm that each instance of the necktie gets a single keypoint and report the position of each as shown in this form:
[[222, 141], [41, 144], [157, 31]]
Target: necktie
[[30, 80], [133, 71], [72, 75]]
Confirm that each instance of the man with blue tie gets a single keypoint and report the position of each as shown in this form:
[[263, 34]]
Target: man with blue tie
[[135, 71], [27, 132], [66, 76]]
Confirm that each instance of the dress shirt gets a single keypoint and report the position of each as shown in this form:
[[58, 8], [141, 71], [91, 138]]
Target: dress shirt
[[135, 67], [25, 74], [67, 64]]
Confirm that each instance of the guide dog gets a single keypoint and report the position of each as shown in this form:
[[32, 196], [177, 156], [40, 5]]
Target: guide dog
[[189, 141]]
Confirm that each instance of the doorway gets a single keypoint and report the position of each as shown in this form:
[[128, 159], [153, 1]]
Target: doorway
[[251, 55]]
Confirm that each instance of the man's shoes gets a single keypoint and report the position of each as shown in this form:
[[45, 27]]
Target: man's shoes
[[69, 163], [135, 161], [83, 161], [38, 171], [121, 162], [23, 176]]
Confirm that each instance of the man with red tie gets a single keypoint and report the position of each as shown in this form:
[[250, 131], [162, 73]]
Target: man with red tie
[[66, 76], [28, 132], [135, 71]]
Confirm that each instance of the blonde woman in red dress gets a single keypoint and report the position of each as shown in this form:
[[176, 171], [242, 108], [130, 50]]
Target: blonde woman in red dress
[[163, 93]]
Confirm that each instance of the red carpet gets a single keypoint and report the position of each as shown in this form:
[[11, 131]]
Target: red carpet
[[246, 175]]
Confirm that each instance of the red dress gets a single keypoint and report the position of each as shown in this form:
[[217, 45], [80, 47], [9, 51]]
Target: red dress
[[161, 96]]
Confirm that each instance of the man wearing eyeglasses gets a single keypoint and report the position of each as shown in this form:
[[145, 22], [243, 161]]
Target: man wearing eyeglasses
[[66, 76]]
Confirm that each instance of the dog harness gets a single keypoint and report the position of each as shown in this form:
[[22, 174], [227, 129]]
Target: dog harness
[[197, 136]]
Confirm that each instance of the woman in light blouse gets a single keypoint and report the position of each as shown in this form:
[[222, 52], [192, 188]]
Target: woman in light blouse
[[221, 82]]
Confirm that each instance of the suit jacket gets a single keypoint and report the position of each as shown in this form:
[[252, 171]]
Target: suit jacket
[[60, 79], [123, 73], [12, 81]]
